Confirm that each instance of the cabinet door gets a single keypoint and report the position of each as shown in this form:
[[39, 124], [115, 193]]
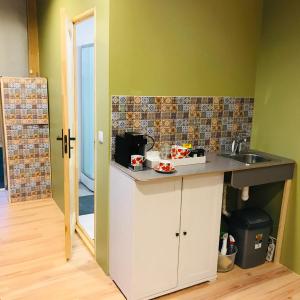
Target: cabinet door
[[200, 227], [156, 222]]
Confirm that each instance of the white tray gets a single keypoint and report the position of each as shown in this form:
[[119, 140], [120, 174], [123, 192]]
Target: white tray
[[151, 162], [189, 161]]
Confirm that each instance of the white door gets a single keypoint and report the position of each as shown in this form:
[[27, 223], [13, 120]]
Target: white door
[[200, 227], [156, 222], [69, 130]]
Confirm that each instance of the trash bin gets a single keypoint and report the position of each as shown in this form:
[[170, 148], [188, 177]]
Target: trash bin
[[226, 262], [251, 228]]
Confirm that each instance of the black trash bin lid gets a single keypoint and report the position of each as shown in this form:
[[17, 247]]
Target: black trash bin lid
[[250, 218]]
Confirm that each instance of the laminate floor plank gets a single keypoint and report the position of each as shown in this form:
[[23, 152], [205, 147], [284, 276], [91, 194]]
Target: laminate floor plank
[[33, 266]]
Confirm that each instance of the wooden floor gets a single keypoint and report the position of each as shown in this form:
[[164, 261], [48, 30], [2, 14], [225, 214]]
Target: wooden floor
[[32, 265]]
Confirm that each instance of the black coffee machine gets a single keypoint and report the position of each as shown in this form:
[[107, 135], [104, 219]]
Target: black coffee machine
[[129, 144]]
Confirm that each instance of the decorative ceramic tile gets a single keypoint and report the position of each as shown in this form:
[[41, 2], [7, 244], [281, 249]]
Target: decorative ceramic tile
[[209, 122], [25, 103]]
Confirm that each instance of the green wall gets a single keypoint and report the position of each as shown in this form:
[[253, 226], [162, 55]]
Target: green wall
[[277, 105], [150, 47], [190, 47], [50, 61]]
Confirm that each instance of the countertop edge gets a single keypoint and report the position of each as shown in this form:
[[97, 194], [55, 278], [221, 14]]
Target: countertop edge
[[215, 164]]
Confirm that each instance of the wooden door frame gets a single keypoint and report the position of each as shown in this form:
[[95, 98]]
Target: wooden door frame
[[66, 160], [91, 245]]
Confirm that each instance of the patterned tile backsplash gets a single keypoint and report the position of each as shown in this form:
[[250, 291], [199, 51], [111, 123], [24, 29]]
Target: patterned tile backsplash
[[208, 122], [25, 110]]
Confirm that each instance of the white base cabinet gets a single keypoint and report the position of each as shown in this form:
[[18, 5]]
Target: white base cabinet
[[163, 234]]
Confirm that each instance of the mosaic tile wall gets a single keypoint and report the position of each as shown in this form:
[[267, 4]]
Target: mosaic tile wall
[[208, 122], [25, 109]]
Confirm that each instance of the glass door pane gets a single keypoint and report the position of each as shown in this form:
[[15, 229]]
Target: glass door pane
[[87, 111]]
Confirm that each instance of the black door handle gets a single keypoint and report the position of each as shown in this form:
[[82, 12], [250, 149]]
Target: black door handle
[[63, 139], [66, 143], [69, 142]]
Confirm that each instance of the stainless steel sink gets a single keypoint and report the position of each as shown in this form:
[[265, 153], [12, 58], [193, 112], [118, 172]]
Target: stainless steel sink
[[247, 158], [258, 171]]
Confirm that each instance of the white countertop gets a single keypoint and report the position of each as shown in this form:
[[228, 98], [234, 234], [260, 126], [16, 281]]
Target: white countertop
[[215, 164]]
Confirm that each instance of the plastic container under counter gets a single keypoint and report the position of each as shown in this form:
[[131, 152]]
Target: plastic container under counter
[[226, 262]]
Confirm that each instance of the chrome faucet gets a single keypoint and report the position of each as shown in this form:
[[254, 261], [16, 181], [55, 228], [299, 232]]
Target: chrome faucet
[[238, 146]]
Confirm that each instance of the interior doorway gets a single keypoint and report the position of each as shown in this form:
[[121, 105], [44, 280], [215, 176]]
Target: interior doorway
[[84, 61], [78, 132]]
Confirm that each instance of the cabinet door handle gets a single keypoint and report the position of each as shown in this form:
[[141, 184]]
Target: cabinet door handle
[[184, 233], [177, 233]]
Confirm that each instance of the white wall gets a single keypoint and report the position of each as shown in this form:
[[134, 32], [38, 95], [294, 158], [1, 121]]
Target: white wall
[[13, 38]]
